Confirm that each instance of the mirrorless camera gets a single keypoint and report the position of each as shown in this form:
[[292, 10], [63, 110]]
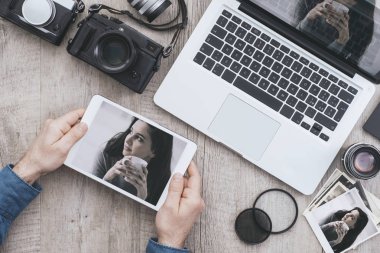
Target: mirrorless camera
[[48, 19], [117, 49]]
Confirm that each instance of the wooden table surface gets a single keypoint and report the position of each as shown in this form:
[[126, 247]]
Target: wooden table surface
[[76, 214]]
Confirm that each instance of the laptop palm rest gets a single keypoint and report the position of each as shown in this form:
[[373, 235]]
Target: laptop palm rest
[[243, 128]]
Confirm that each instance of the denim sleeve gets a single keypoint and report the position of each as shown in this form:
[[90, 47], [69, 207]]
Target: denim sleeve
[[15, 195], [154, 247]]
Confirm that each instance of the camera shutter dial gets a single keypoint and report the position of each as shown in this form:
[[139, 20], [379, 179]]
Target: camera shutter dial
[[38, 13]]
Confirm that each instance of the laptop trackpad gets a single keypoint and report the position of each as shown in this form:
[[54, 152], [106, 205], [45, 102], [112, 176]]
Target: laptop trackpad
[[244, 128]]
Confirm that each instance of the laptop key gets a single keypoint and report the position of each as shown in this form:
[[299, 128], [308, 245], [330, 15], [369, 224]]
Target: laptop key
[[214, 41], [301, 106], [219, 32], [273, 89], [227, 49], [342, 84], [323, 72], [283, 83], [345, 96], [314, 67], [294, 55], [275, 43], [218, 69], [255, 31], [315, 78], [292, 101], [245, 72], [236, 67], [284, 49], [317, 127], [287, 111], [333, 78], [333, 101], [311, 100], [254, 78], [306, 72], [209, 64], [278, 55], [277, 67], [314, 90], [287, 61], [259, 44], [227, 14], [325, 84], [342, 108], [246, 61], [274, 78], [258, 56], [297, 118], [265, 37], [230, 39], [286, 73], [263, 84], [268, 61], [246, 26], [264, 72], [217, 55], [229, 76], [324, 137], [206, 49], [240, 32], [231, 27], [334, 89], [324, 95], [258, 94], [305, 84], [325, 121], [236, 20], [305, 125], [199, 58], [352, 90], [292, 89], [255, 66], [304, 61], [296, 78], [249, 50], [222, 21], [268, 49], [240, 44], [282, 95], [310, 112], [320, 106], [296, 66], [330, 112], [236, 55], [226, 61], [250, 38], [302, 94]]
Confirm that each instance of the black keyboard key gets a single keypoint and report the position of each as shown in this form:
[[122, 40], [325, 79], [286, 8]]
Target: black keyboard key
[[302, 95], [209, 64], [287, 61], [229, 76], [311, 100], [273, 89], [294, 55], [333, 78], [277, 67], [352, 90], [305, 84], [218, 69], [314, 131], [265, 37], [287, 111], [199, 58], [296, 66], [264, 72], [255, 31], [315, 78], [258, 56], [320, 106], [292, 101], [226, 61], [313, 66], [255, 66], [259, 44], [314, 90], [334, 89], [317, 127], [245, 72], [240, 44], [254, 78], [286, 72], [249, 50], [310, 112], [342, 108], [230, 39], [292, 89], [305, 125], [257, 93], [333, 101], [306, 72], [236, 67], [342, 84], [214, 41], [246, 61], [284, 49], [304, 61], [231, 27], [246, 26], [323, 72], [206, 49], [297, 118], [227, 49], [217, 55], [296, 78], [240, 32], [324, 137], [250, 38], [278, 55], [222, 21], [227, 14], [325, 121], [236, 55], [274, 78], [282, 95], [345, 96], [330, 112], [263, 84], [219, 32], [268, 61], [325, 84], [275, 43], [283, 83], [301, 106], [236, 19], [268, 49], [324, 95]]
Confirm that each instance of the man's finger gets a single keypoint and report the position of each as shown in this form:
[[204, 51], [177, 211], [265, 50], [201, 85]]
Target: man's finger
[[194, 181], [70, 119], [175, 191], [72, 136]]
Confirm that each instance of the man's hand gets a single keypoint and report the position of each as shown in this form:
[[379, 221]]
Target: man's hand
[[51, 147], [181, 209]]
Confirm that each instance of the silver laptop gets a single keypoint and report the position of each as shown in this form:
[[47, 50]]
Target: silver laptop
[[277, 83]]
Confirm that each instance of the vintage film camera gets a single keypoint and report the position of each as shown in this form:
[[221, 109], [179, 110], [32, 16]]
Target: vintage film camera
[[117, 49], [48, 19]]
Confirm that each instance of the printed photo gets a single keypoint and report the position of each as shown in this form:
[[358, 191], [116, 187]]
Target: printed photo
[[128, 153]]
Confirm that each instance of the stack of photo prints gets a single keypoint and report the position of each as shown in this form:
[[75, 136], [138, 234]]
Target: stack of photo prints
[[343, 214]]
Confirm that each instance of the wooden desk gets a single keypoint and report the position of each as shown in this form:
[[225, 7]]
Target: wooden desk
[[75, 214]]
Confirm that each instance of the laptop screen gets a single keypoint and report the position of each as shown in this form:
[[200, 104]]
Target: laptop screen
[[348, 28]]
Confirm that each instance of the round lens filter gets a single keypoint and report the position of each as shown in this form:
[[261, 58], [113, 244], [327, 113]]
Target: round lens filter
[[253, 226], [280, 206]]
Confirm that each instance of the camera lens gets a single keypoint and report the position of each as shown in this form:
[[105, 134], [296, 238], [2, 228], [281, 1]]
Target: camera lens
[[151, 9], [114, 53], [38, 13]]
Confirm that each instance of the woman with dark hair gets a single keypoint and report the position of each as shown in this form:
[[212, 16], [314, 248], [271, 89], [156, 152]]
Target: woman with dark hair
[[343, 227], [344, 26], [116, 164]]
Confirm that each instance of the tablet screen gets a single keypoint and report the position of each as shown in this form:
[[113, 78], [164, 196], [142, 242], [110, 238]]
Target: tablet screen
[[129, 153]]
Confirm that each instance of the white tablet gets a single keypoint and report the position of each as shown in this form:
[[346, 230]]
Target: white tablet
[[129, 153]]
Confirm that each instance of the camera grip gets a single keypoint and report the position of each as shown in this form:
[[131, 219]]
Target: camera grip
[[80, 41]]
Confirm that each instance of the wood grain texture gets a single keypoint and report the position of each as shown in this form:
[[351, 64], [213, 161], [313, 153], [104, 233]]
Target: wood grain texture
[[75, 214]]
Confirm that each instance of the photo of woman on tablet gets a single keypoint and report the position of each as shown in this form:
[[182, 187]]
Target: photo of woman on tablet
[[137, 160]]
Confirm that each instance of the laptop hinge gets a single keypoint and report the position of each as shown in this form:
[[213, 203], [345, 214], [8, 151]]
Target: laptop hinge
[[294, 35]]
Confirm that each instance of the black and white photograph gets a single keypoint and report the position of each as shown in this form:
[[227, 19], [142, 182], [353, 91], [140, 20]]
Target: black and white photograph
[[343, 222], [128, 153]]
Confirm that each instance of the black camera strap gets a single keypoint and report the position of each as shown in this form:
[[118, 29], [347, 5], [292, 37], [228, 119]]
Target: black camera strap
[[168, 26], [79, 7]]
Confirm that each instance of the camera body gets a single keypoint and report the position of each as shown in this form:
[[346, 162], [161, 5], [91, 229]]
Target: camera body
[[115, 48], [48, 19]]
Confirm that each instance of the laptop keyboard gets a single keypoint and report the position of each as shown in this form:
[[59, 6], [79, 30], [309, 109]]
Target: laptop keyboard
[[277, 76]]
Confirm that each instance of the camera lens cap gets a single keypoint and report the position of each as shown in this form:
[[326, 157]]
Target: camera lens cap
[[38, 12], [280, 206], [253, 226]]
